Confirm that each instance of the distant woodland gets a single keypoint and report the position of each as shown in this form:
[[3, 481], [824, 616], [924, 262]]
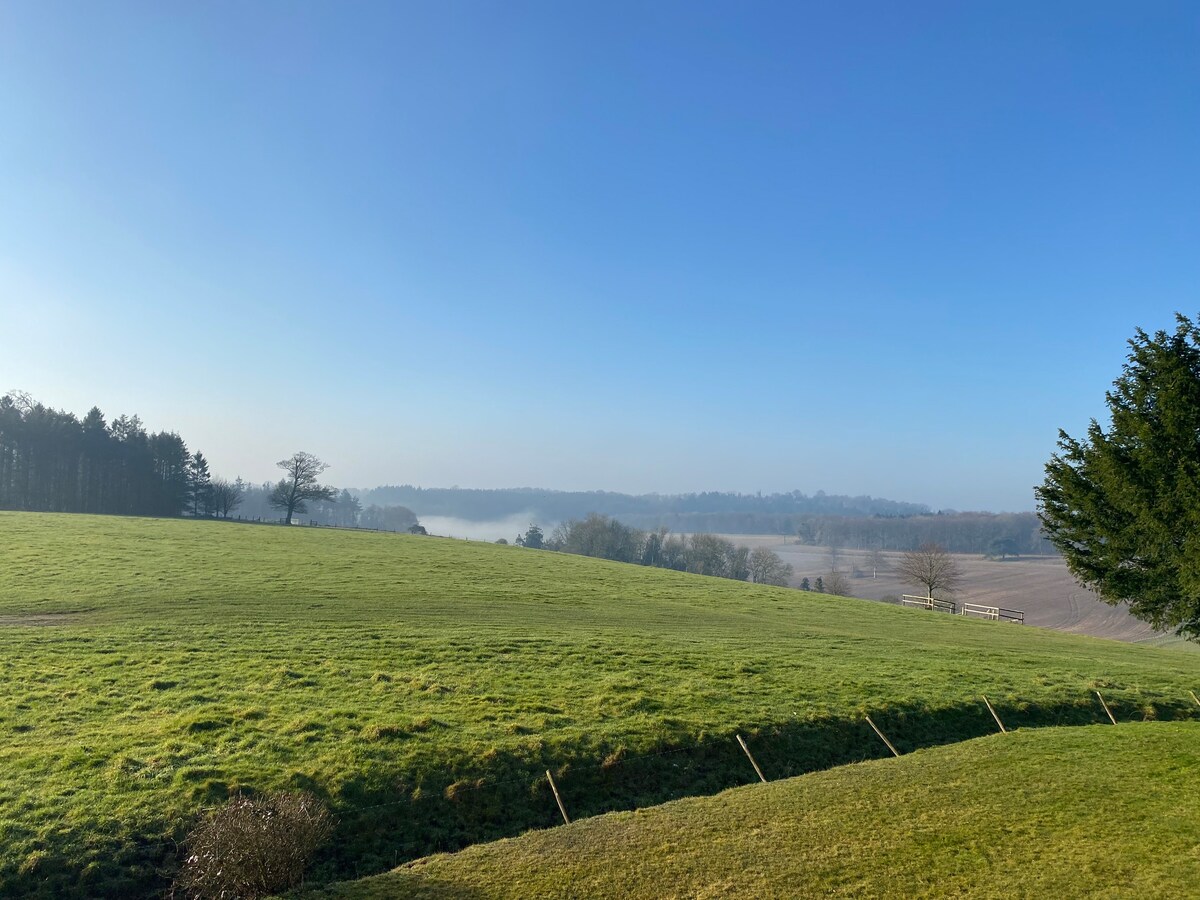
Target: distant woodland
[[54, 461], [988, 534], [868, 523], [700, 554], [674, 511]]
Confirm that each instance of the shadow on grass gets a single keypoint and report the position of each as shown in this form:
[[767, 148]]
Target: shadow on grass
[[509, 794], [384, 823]]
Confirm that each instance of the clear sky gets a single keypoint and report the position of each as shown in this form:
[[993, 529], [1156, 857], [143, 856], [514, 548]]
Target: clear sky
[[882, 248]]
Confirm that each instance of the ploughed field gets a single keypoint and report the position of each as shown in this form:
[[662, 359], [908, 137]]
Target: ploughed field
[[1048, 812], [422, 686], [1040, 586]]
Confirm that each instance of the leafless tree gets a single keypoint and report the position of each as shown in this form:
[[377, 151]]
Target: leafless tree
[[931, 567], [837, 583], [767, 568], [833, 555], [877, 561], [226, 496], [300, 485], [22, 400]]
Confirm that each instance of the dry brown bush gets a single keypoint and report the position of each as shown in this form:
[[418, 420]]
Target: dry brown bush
[[252, 847]]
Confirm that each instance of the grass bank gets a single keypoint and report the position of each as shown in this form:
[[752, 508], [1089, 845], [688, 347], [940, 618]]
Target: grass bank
[[153, 667], [1054, 812]]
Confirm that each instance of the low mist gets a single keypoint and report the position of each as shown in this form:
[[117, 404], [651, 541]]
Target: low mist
[[507, 528]]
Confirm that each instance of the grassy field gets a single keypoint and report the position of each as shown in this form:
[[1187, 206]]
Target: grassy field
[[152, 667], [1052, 812]]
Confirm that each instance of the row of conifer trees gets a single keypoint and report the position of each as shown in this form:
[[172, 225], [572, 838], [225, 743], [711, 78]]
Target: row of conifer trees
[[52, 461]]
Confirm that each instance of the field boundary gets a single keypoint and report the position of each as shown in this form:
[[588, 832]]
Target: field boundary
[[471, 804], [612, 780]]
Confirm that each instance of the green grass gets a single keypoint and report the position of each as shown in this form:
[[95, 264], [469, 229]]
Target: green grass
[[422, 685], [1052, 812]]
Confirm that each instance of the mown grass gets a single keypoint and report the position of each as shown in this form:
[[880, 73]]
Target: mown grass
[[422, 685], [1052, 812]]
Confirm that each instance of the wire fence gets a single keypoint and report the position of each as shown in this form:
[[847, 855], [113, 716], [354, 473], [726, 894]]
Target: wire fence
[[563, 786]]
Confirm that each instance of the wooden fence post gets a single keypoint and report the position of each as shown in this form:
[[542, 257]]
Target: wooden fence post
[[1106, 709], [882, 737], [557, 799], [1003, 730], [1194, 697], [761, 777]]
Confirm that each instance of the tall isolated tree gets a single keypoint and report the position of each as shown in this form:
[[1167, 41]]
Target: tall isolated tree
[[299, 484], [931, 567], [1123, 505]]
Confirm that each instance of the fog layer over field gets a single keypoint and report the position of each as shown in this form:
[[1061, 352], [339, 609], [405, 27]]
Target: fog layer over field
[[507, 528]]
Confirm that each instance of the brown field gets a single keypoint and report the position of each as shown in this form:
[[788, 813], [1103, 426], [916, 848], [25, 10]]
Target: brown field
[[1041, 586]]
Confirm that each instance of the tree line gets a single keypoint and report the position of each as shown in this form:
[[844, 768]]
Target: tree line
[[987, 534], [53, 461], [862, 522], [341, 509], [702, 554], [644, 510]]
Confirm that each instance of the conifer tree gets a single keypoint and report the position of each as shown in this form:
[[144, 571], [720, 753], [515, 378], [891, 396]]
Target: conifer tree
[[199, 484], [1122, 505]]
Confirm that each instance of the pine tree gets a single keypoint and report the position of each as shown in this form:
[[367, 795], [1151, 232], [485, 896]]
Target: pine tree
[[173, 469], [199, 484], [1123, 505]]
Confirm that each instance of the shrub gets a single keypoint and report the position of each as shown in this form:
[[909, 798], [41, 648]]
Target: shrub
[[253, 847]]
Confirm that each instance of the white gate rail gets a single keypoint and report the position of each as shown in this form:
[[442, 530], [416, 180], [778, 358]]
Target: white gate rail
[[929, 603], [995, 613]]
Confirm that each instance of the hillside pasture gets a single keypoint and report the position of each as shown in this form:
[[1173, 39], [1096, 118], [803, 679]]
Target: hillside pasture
[[421, 686]]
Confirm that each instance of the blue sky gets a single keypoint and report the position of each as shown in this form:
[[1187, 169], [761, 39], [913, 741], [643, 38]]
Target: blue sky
[[866, 248]]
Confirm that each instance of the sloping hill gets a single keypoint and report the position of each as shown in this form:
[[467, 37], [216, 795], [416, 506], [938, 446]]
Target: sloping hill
[[422, 686], [1052, 812]]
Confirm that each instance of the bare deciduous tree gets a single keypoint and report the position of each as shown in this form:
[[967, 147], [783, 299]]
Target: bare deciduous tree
[[226, 496], [877, 561], [837, 584], [767, 568], [932, 568], [833, 555], [300, 484]]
